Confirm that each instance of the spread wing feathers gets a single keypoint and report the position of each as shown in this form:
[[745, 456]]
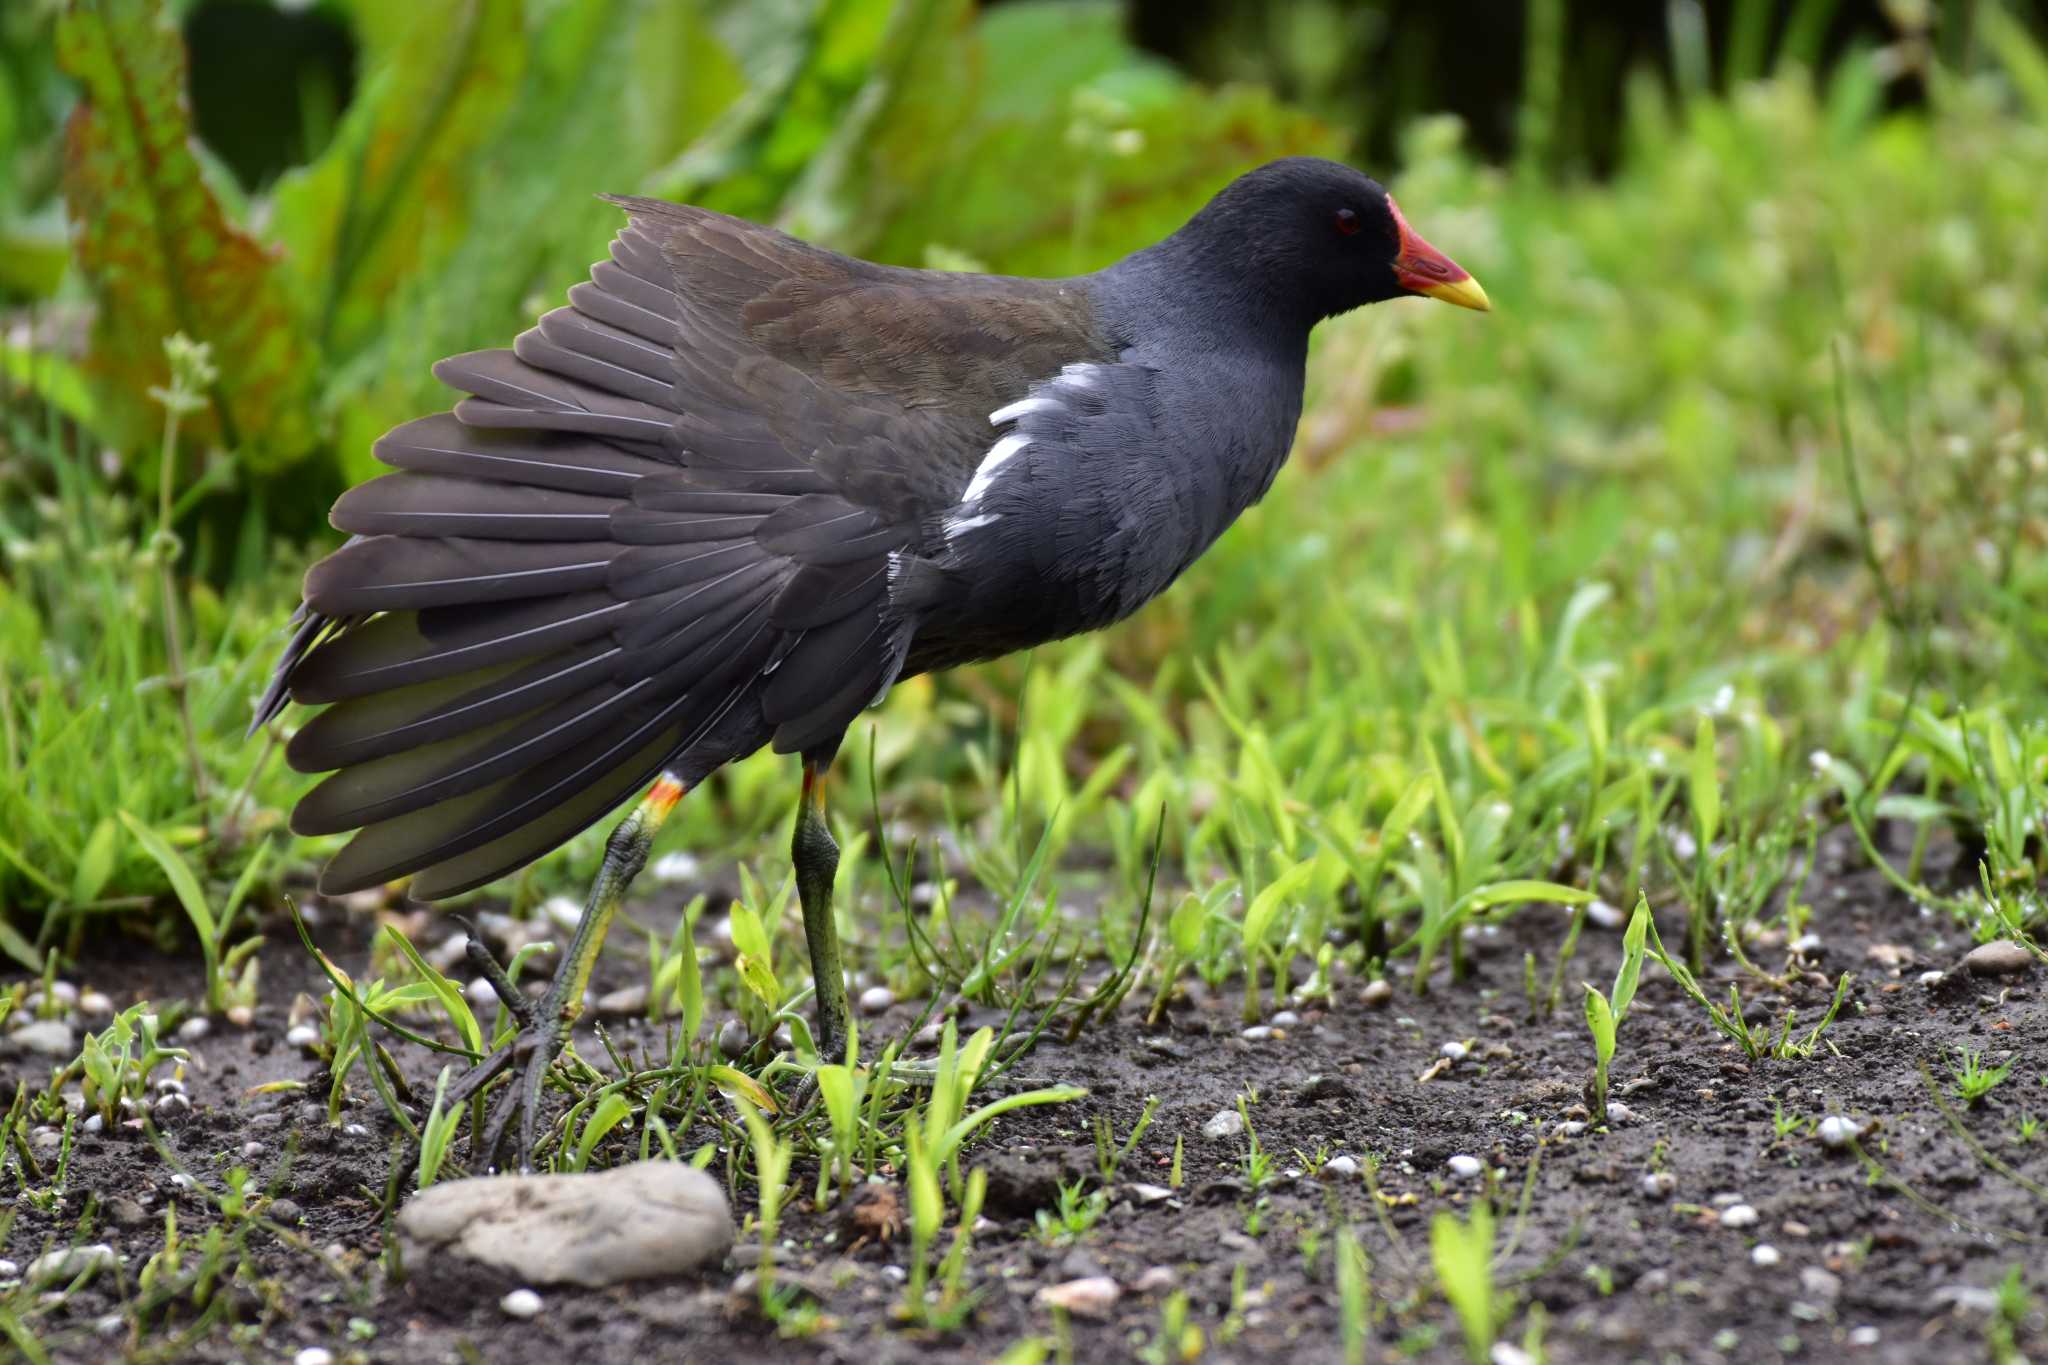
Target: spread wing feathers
[[621, 546]]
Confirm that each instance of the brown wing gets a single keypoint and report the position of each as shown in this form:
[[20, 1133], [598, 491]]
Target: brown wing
[[659, 525]]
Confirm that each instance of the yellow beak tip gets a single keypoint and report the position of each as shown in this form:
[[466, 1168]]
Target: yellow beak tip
[[1465, 293]]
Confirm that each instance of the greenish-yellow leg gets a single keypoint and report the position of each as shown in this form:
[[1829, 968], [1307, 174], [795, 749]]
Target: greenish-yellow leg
[[545, 1027], [816, 856]]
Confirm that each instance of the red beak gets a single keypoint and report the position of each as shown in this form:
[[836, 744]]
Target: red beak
[[1422, 269]]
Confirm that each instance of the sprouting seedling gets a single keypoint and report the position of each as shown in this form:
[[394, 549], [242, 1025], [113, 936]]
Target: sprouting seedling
[[1604, 1013], [1974, 1080], [1462, 1253], [1352, 1297], [1109, 1157]]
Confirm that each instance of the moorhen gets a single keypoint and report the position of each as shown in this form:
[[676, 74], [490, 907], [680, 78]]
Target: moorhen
[[741, 486]]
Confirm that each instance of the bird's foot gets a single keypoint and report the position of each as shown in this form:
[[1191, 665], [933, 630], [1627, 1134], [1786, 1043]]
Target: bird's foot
[[530, 1053]]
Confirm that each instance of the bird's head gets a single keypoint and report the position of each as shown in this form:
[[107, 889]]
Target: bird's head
[[1321, 238]]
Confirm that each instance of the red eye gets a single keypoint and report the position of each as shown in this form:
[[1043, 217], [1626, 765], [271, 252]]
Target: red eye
[[1347, 221]]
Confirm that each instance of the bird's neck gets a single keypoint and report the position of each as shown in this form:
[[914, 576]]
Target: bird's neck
[[1192, 288]]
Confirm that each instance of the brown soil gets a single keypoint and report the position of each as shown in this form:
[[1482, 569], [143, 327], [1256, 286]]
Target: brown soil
[[1865, 1271]]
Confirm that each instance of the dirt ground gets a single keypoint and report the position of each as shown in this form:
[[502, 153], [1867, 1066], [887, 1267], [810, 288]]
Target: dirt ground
[[1862, 1271]]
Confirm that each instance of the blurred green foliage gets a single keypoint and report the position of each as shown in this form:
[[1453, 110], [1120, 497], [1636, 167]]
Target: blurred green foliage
[[1513, 560], [456, 194]]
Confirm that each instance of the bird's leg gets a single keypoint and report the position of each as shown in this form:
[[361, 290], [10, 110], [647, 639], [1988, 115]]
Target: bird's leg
[[544, 1027], [816, 857]]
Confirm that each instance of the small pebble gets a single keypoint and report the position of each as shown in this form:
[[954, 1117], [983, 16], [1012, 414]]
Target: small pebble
[[673, 867], [301, 1036], [95, 1004], [1154, 1279], [1570, 1128], [1457, 1052], [9, 1271], [93, 1123], [480, 992], [1257, 1033], [562, 911], [195, 1028], [521, 1303], [1619, 1113], [1807, 945], [1820, 1283], [110, 1325], [173, 1103], [285, 1211], [876, 999], [1507, 1353], [1738, 1216], [1091, 1297], [69, 1263], [251, 1150], [1376, 994], [1605, 915], [1343, 1167], [1932, 978], [1837, 1132], [1285, 1019], [626, 1000], [1225, 1123], [733, 1039], [64, 993], [1864, 1336], [314, 1355], [1765, 1255], [1148, 1194], [1660, 1184], [1465, 1167], [2000, 957], [241, 1016]]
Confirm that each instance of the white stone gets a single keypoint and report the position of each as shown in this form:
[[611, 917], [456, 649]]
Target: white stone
[[1154, 1279], [53, 1267], [521, 1303], [1619, 1114], [876, 999], [626, 1000], [195, 1028], [674, 867], [1148, 1194], [1376, 993], [480, 992], [1457, 1052], [314, 1355], [1224, 1124], [562, 911], [301, 1036], [1837, 1131], [1285, 1019], [42, 1038], [1605, 915], [1090, 1297], [1864, 1336], [1806, 945], [1257, 1033], [1465, 1167], [1342, 1166], [1765, 1255], [95, 1003], [1738, 1216], [1660, 1184], [1932, 978], [592, 1229]]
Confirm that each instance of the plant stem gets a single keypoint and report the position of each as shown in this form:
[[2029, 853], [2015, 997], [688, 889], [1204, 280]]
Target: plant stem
[[174, 650]]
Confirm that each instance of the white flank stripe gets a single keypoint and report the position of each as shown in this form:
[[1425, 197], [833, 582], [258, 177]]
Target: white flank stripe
[[1021, 408], [1000, 454], [955, 525]]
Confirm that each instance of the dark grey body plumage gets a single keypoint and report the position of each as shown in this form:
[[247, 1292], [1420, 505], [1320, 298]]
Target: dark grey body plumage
[[740, 486]]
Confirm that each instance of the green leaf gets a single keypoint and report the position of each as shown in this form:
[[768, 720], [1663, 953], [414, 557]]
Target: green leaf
[[611, 1111], [1705, 784], [1600, 1020], [389, 198], [1185, 927], [1501, 893], [444, 991], [183, 884], [1266, 905], [95, 863], [158, 250], [1632, 954]]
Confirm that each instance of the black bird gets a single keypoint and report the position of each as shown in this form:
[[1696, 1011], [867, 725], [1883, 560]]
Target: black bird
[[741, 486]]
